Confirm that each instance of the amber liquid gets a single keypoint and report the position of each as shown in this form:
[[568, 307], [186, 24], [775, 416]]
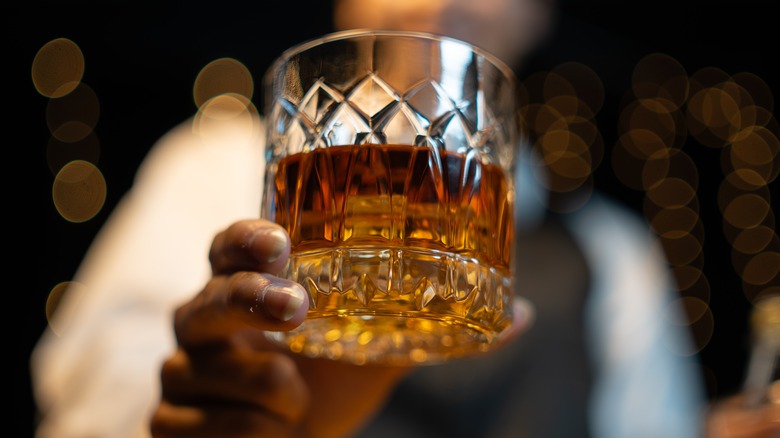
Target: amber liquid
[[404, 251]]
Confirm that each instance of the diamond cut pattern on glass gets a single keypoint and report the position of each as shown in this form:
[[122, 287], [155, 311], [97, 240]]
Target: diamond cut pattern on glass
[[397, 230], [371, 111], [317, 102], [371, 95]]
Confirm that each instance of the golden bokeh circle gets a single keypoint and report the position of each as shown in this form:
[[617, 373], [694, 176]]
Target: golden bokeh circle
[[672, 192], [707, 77], [713, 117], [658, 116], [222, 76], [643, 143], [746, 210], [700, 288], [660, 75], [754, 240], [60, 153], [230, 111], [585, 84], [686, 276], [57, 317], [627, 166], [682, 250], [73, 117], [762, 268], [79, 191], [57, 68], [757, 88], [674, 223], [697, 317]]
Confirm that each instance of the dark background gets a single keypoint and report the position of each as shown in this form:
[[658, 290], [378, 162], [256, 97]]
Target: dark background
[[141, 61]]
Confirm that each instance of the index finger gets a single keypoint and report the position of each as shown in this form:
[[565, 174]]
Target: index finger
[[230, 304], [252, 244]]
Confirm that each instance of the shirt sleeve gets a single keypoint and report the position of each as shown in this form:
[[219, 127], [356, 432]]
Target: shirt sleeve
[[643, 386], [98, 373]]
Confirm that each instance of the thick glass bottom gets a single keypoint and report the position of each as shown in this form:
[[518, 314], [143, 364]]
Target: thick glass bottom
[[387, 339], [397, 306]]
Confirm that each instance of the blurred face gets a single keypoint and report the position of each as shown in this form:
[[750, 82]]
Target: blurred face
[[510, 29]]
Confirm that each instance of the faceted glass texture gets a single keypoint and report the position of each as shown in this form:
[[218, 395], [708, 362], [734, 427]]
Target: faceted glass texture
[[389, 161]]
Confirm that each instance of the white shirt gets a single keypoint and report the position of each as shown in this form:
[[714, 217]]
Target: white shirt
[[98, 375]]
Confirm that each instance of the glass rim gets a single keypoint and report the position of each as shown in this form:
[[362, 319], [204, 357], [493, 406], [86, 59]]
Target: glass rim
[[303, 46]]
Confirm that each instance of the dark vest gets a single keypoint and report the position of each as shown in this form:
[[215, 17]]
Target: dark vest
[[535, 387]]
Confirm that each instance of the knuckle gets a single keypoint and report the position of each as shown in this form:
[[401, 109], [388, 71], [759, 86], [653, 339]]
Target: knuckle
[[172, 367], [246, 288], [277, 375]]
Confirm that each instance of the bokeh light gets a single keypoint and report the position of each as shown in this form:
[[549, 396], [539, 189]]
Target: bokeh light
[[660, 76], [700, 288], [558, 108], [674, 223], [57, 68], [79, 191], [60, 153], [756, 155], [585, 85], [225, 115], [762, 268], [754, 240], [697, 318], [222, 76], [667, 118], [672, 192], [663, 124], [758, 90], [72, 113], [57, 317], [746, 210], [687, 276], [73, 117]]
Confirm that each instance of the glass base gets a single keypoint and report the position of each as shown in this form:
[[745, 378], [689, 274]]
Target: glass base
[[386, 339], [397, 306]]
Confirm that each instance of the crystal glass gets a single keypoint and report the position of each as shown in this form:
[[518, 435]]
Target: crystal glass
[[389, 159]]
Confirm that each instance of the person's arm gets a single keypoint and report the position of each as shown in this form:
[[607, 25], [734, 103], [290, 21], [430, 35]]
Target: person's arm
[[98, 375], [643, 385]]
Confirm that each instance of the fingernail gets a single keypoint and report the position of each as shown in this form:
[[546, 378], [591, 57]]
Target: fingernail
[[282, 302], [273, 243], [278, 243]]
